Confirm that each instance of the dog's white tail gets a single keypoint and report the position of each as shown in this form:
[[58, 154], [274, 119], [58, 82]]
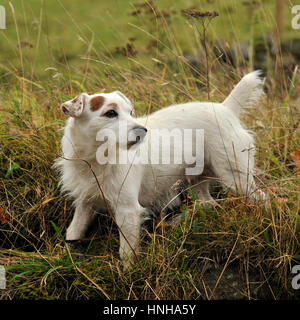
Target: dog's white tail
[[245, 93]]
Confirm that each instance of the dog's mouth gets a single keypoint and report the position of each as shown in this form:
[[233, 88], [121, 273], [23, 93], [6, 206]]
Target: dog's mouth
[[133, 143]]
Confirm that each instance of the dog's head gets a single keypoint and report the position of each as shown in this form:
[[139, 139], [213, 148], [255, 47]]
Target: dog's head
[[105, 111]]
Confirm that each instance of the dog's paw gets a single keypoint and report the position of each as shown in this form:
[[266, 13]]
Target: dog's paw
[[259, 195]]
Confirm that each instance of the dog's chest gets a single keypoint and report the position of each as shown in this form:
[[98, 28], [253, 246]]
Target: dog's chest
[[81, 181]]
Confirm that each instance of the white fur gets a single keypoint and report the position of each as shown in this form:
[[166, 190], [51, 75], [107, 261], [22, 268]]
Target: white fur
[[131, 189]]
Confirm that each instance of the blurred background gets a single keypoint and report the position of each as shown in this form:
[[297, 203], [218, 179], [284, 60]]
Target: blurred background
[[45, 38]]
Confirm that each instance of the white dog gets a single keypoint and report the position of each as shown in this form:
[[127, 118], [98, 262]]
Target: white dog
[[130, 189]]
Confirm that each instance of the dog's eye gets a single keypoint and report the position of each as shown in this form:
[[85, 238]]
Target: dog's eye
[[132, 113], [111, 114]]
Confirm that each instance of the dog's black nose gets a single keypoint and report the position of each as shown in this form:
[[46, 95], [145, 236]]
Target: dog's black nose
[[139, 134], [140, 130], [145, 129]]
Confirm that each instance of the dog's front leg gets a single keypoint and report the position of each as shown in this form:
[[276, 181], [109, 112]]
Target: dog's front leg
[[81, 220], [127, 210], [129, 223]]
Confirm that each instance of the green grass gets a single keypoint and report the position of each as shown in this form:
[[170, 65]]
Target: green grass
[[73, 50], [59, 36]]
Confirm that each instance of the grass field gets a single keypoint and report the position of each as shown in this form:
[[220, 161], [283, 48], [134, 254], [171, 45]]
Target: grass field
[[53, 50]]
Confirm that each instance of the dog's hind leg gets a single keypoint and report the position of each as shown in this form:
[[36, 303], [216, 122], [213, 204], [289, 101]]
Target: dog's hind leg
[[241, 182], [235, 171], [202, 190], [82, 217]]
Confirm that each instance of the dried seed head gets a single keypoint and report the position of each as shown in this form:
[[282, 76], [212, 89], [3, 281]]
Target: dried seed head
[[189, 13]]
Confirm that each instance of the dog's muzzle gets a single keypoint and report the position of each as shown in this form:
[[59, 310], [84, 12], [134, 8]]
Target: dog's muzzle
[[136, 135]]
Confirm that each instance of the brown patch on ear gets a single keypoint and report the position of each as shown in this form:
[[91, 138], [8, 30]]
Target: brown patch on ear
[[96, 103], [114, 105]]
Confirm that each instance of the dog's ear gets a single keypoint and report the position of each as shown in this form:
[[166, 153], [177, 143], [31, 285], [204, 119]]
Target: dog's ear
[[119, 93], [74, 107]]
